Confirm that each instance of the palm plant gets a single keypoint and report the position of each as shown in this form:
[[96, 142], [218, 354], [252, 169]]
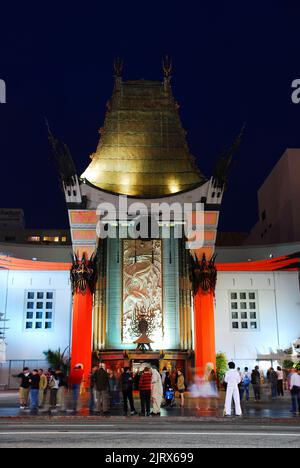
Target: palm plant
[[58, 360]]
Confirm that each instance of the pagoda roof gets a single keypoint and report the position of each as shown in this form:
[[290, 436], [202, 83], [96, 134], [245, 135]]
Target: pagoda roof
[[143, 150]]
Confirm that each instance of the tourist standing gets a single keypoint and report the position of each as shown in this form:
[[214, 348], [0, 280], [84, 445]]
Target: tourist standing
[[127, 391], [232, 380], [295, 391], [273, 380], [245, 387], [111, 386], [181, 387], [54, 386], [163, 375], [280, 378], [255, 381], [102, 388], [76, 379], [136, 379], [24, 389], [117, 386], [42, 388], [168, 382], [34, 391], [62, 387], [145, 387], [157, 392], [92, 400]]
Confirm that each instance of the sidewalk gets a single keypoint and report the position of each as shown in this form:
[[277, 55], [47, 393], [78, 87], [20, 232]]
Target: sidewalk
[[278, 410]]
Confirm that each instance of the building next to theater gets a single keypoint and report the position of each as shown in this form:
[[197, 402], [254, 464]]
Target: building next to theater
[[252, 313]]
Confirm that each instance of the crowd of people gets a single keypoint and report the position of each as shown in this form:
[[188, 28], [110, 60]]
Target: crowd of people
[[238, 383], [109, 388], [275, 380], [106, 386], [39, 389]]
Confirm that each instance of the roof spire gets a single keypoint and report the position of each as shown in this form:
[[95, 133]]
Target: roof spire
[[118, 71], [62, 159], [222, 169], [167, 69]]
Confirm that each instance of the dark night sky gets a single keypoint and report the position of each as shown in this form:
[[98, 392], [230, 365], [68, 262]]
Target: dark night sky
[[233, 62]]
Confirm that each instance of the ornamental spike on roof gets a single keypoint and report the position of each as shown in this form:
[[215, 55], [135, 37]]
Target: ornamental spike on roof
[[143, 150]]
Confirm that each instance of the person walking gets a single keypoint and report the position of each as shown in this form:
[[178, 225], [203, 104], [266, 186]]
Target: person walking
[[232, 380], [157, 392], [145, 387], [295, 391], [127, 391], [34, 391], [24, 388], [181, 387], [76, 379], [273, 380], [42, 388], [102, 388], [280, 379], [245, 387], [255, 381]]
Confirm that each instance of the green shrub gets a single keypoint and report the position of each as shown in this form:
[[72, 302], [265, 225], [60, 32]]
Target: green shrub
[[297, 366], [222, 365], [288, 364]]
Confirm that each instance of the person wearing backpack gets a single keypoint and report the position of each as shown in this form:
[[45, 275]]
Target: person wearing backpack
[[245, 387]]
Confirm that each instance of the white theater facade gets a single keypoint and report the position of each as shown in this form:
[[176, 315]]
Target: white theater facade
[[256, 312]]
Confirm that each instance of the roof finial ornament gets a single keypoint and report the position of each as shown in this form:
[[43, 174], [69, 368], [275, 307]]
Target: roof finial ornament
[[62, 159], [118, 67], [222, 169], [167, 68]]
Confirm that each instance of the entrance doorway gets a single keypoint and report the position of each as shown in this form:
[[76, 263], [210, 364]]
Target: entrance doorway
[[141, 364]]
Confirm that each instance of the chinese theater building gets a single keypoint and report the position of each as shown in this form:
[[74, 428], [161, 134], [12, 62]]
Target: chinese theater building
[[149, 299], [143, 154]]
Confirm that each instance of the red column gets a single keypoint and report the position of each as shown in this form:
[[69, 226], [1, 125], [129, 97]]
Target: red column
[[204, 329], [82, 332]]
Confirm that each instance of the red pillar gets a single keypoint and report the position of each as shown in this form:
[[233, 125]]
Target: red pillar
[[82, 332], [204, 329]]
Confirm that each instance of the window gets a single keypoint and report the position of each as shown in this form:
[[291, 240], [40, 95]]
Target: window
[[244, 311], [39, 310], [9, 238], [50, 239], [34, 239]]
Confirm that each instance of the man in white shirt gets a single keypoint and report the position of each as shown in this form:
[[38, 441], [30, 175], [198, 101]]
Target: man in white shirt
[[295, 391], [232, 379]]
